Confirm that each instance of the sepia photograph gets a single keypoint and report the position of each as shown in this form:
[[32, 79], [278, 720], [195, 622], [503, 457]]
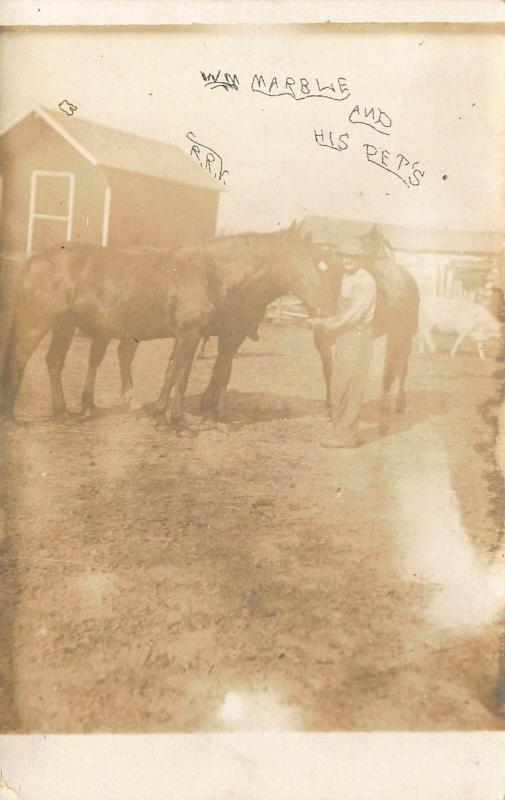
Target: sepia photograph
[[252, 311]]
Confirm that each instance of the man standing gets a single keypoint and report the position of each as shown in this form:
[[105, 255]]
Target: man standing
[[351, 334]]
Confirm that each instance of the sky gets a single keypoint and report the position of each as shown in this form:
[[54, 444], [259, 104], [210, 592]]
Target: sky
[[442, 92]]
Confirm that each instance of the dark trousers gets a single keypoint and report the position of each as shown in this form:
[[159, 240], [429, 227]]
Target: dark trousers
[[352, 352]]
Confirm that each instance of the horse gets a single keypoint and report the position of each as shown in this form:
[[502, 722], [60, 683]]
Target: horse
[[61, 337], [255, 272], [396, 315], [221, 288]]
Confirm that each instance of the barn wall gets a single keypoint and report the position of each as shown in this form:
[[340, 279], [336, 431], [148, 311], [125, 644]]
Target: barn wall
[[157, 213], [33, 145]]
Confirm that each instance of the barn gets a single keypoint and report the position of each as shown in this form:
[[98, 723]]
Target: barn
[[455, 263], [66, 178]]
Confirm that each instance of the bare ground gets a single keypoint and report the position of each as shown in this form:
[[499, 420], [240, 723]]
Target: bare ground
[[146, 576]]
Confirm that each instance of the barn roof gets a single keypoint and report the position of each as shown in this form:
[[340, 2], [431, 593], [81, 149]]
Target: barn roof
[[108, 147], [415, 240]]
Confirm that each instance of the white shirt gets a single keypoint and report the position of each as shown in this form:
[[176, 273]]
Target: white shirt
[[356, 305]]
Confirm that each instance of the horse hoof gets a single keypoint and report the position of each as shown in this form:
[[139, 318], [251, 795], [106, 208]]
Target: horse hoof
[[160, 422], [8, 423], [186, 433], [400, 405], [206, 424], [88, 414], [181, 427], [222, 427], [63, 416]]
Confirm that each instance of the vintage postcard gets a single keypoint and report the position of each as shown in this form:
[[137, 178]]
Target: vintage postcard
[[252, 280]]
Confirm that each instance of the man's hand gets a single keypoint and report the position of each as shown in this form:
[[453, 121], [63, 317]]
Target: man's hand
[[315, 322], [321, 323]]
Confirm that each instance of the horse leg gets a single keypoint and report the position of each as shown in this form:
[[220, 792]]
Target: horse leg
[[457, 343], [390, 373], [183, 361], [201, 353], [429, 341], [403, 366], [96, 354], [254, 334], [326, 356], [25, 336], [177, 374], [61, 339], [221, 373], [172, 354], [161, 404], [126, 352]]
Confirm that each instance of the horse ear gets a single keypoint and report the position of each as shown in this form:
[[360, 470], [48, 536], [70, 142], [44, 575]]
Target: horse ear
[[293, 232]]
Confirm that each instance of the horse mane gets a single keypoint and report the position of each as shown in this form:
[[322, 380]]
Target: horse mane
[[256, 235], [294, 231], [388, 246]]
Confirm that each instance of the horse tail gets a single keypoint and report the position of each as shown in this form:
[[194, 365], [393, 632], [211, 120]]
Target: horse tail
[[412, 310], [9, 281], [21, 286], [394, 350]]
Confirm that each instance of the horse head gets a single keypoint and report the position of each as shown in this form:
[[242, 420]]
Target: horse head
[[376, 244], [303, 270]]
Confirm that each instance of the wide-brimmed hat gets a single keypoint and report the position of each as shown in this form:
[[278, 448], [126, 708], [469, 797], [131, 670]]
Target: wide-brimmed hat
[[352, 246]]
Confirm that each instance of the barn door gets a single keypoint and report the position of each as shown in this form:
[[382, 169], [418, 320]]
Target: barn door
[[51, 209]]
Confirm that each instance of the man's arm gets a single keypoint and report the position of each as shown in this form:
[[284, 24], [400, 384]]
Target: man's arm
[[361, 306]]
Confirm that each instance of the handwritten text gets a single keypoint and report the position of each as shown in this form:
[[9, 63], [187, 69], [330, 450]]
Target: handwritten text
[[217, 81], [68, 108], [398, 165], [208, 159], [331, 140], [300, 88], [375, 118]]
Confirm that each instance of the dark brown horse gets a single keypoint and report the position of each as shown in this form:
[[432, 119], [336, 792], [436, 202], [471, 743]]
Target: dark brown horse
[[218, 289], [396, 314], [255, 271], [61, 338]]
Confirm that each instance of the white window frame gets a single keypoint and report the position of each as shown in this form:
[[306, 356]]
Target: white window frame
[[33, 215]]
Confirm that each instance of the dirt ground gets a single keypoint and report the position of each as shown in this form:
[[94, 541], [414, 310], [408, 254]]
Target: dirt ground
[[249, 577]]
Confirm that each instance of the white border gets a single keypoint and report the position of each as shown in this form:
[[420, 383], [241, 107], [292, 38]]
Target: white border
[[221, 12], [347, 766]]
